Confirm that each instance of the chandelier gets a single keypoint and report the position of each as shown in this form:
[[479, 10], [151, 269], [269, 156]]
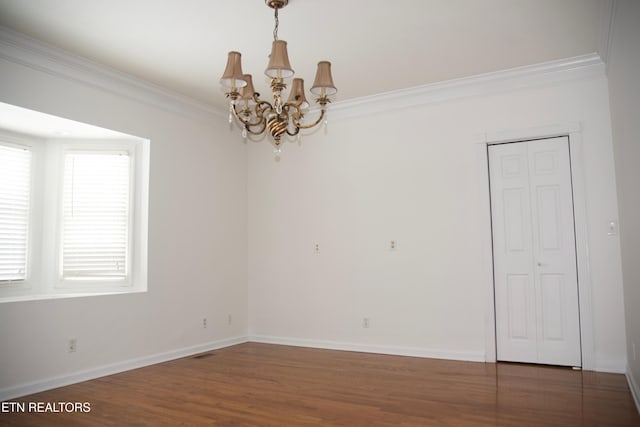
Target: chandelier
[[255, 115]]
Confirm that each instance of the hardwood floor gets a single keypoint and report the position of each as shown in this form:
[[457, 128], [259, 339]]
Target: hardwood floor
[[268, 385]]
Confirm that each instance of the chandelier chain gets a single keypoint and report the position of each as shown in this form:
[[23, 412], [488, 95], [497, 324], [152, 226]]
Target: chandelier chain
[[275, 29]]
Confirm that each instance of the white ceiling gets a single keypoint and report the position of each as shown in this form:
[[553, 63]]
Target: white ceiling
[[375, 46]]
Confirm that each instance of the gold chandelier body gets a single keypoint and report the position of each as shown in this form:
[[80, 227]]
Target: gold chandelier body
[[278, 118]]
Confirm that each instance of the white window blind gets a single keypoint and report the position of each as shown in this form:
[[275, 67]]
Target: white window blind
[[95, 219], [15, 183]]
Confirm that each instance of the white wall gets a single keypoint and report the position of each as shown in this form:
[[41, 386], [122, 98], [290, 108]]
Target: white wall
[[623, 66], [197, 245], [413, 175]]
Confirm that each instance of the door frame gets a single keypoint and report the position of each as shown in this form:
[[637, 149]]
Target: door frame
[[573, 132]]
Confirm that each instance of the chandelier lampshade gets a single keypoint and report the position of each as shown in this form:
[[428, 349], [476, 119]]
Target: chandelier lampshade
[[279, 66], [246, 93], [233, 76], [278, 118], [323, 83], [296, 96]]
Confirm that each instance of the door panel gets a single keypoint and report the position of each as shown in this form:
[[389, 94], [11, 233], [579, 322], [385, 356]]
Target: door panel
[[515, 306], [513, 214], [547, 201], [518, 299], [537, 313], [552, 307]]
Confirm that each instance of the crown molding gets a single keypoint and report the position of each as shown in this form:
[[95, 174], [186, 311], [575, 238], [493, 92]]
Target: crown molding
[[21, 49], [547, 73], [18, 48], [606, 16]]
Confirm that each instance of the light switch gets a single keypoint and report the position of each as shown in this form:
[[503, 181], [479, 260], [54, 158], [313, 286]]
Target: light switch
[[612, 229]]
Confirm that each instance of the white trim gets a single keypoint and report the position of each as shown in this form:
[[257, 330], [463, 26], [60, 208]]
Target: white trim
[[44, 281], [582, 251], [538, 132], [606, 15], [431, 353], [18, 48], [101, 371], [579, 67], [487, 252], [573, 130], [633, 386], [611, 366]]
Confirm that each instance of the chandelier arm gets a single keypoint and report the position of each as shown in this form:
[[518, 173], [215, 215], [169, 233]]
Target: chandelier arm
[[262, 107], [257, 132], [309, 126], [246, 123], [295, 105], [294, 133]]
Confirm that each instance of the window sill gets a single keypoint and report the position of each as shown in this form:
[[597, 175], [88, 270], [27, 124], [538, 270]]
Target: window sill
[[65, 295]]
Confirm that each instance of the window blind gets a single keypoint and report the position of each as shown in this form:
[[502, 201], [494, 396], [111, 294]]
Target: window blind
[[15, 183], [95, 219]]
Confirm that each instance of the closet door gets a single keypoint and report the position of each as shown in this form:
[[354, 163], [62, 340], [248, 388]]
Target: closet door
[[536, 287]]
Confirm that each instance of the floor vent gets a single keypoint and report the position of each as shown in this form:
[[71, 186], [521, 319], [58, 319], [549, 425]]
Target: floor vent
[[202, 356]]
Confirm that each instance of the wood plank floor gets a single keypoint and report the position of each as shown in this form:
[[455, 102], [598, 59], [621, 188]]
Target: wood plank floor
[[268, 385]]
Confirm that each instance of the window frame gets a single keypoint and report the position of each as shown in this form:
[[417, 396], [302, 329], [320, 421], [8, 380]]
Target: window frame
[[44, 280], [87, 284], [12, 141]]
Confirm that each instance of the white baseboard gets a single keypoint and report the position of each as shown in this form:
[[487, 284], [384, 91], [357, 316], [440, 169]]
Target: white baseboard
[[634, 387], [101, 371], [366, 348], [611, 366]]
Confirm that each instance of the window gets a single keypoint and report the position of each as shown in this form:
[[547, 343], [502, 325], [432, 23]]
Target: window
[[73, 216], [95, 216], [15, 190]]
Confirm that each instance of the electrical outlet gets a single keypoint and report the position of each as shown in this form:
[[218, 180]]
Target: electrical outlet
[[204, 323], [229, 320], [393, 245], [365, 322], [316, 248], [73, 345]]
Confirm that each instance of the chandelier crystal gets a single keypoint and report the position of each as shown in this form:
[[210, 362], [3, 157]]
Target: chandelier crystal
[[257, 116]]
